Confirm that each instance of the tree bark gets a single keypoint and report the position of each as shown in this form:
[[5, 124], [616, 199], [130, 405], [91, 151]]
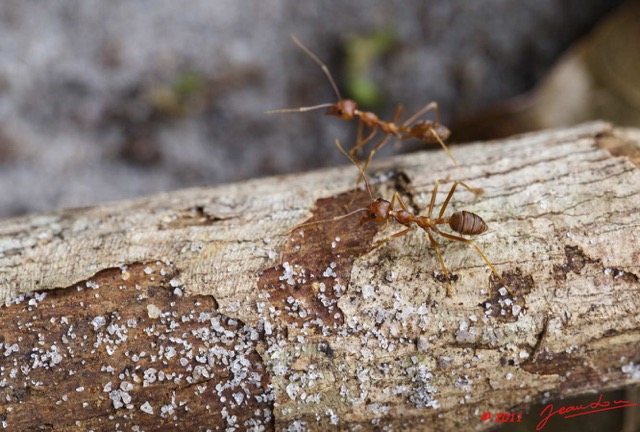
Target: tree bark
[[202, 309]]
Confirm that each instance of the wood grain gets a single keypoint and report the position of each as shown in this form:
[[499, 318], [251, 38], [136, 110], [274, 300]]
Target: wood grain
[[254, 325]]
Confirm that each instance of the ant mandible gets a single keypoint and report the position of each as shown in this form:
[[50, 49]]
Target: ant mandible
[[426, 131], [462, 222]]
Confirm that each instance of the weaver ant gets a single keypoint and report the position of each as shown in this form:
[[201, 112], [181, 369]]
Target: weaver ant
[[462, 222], [429, 132]]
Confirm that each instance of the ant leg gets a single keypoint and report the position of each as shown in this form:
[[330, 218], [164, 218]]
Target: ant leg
[[360, 143], [422, 111], [387, 135], [475, 191], [358, 137], [375, 149], [433, 198], [397, 114], [435, 245], [396, 197], [394, 120], [445, 148], [484, 257], [392, 236], [356, 147]]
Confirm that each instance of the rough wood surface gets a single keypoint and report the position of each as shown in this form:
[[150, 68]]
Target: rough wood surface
[[198, 309]]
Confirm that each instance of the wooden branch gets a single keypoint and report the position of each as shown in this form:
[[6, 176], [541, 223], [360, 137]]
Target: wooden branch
[[198, 309]]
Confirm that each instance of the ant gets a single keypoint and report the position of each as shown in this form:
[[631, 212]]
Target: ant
[[427, 131], [462, 222]]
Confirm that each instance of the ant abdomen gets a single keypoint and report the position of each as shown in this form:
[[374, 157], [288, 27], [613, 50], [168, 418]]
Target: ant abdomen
[[465, 222], [428, 132]]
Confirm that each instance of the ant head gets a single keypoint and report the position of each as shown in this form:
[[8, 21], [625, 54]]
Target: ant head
[[378, 211], [345, 109]]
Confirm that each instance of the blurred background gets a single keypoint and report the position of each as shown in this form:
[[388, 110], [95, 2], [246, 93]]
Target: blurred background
[[102, 101], [108, 100]]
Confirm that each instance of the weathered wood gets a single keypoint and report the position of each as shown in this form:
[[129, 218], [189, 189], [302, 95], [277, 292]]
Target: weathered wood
[[198, 309]]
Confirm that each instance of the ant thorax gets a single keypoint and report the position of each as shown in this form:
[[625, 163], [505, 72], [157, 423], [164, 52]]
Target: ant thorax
[[404, 217]]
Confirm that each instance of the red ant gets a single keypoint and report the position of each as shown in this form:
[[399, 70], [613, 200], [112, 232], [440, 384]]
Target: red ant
[[347, 109], [462, 222]]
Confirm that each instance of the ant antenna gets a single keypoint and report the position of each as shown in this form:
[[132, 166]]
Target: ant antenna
[[351, 212], [326, 71], [364, 176], [315, 58], [328, 220], [302, 109]]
